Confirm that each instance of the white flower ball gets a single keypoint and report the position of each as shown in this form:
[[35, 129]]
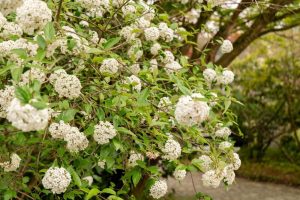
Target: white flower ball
[[6, 96], [11, 165], [227, 77], [179, 174], [151, 34], [236, 161], [104, 131], [133, 158], [110, 66], [168, 57], [154, 50], [173, 66], [206, 162], [33, 15], [171, 150], [225, 146], [191, 111], [226, 47], [223, 132], [57, 180], [26, 117], [68, 86], [209, 75], [159, 189]]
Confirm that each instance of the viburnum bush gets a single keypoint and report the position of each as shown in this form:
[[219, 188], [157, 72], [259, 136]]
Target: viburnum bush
[[97, 101]]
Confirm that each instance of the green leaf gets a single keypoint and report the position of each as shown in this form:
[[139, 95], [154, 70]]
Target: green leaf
[[75, 176], [67, 115], [22, 94], [16, 72], [111, 42], [41, 41], [39, 105], [180, 85], [20, 52], [227, 105], [136, 176], [93, 192], [108, 191], [49, 31], [142, 99]]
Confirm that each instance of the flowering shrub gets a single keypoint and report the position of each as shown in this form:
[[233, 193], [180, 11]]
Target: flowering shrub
[[98, 101]]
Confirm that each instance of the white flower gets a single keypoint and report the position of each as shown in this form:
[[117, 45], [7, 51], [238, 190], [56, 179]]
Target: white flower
[[142, 23], [57, 180], [84, 23], [59, 130], [110, 66], [9, 29], [153, 65], [33, 74], [209, 75], [151, 34], [168, 57], [89, 180], [104, 131], [101, 164], [224, 146], [133, 158], [223, 132], [236, 161], [173, 66], [165, 104], [68, 86], [179, 174], [6, 96], [227, 77], [57, 74], [206, 162], [171, 150], [159, 189], [229, 174], [226, 47], [154, 50], [26, 117], [212, 178], [127, 33], [76, 140], [135, 69], [190, 111], [192, 16], [9, 6], [11, 165], [94, 38], [165, 32], [135, 82], [135, 52], [33, 15], [128, 10]]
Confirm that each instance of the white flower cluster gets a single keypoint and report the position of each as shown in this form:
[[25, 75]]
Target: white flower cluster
[[171, 149], [135, 82], [6, 96], [212, 178], [33, 15], [159, 189], [65, 85], [88, 179], [133, 158], [9, 28], [76, 140], [190, 110], [95, 8], [225, 146], [9, 6], [57, 180], [206, 162], [152, 34], [154, 50], [26, 117], [104, 131], [7, 46], [110, 66], [225, 78], [165, 32], [33, 74], [226, 47], [179, 174], [11, 165], [223, 132], [165, 104], [192, 16]]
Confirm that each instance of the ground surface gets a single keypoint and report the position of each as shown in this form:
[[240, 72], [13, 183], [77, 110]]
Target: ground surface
[[242, 190]]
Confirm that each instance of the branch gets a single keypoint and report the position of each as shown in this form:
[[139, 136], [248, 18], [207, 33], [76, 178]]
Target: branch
[[58, 10], [279, 29]]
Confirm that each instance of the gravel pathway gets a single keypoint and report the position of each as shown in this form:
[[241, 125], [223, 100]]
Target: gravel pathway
[[242, 190]]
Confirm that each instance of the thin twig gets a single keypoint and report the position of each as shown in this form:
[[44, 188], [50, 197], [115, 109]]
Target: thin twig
[[58, 10]]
